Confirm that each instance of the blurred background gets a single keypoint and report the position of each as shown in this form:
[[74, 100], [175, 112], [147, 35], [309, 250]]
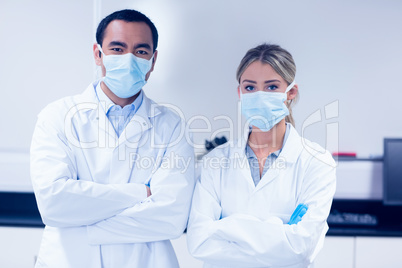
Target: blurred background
[[348, 54]]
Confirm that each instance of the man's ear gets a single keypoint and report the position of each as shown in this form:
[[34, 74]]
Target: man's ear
[[153, 64], [97, 55], [154, 60]]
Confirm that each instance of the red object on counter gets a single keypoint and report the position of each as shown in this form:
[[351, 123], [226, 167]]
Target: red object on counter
[[346, 154]]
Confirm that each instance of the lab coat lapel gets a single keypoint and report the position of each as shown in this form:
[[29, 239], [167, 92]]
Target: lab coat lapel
[[271, 174], [111, 149], [246, 172], [107, 136], [107, 133], [285, 160], [132, 141], [138, 124], [240, 159]]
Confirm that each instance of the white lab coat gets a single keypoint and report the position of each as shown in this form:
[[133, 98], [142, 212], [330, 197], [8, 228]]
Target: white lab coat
[[234, 223], [90, 185]]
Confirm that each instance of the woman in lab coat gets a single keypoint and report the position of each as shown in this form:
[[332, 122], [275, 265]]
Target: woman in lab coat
[[249, 203]]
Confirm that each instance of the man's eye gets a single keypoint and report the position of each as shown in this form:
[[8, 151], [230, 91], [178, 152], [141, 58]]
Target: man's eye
[[117, 49], [249, 88], [142, 52]]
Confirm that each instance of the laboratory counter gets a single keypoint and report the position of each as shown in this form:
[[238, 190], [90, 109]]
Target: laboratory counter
[[347, 217], [19, 209]]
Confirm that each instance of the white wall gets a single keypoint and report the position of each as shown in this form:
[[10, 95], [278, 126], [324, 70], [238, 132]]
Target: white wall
[[345, 51], [45, 54]]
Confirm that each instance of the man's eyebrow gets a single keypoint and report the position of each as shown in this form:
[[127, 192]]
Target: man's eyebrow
[[117, 43], [143, 45]]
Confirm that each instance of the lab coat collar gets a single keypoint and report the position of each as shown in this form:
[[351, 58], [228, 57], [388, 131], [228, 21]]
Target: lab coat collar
[[138, 124], [287, 157], [290, 151], [293, 146], [148, 107]]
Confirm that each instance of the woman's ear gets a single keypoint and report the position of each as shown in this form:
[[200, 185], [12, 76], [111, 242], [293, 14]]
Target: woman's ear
[[293, 92], [238, 91]]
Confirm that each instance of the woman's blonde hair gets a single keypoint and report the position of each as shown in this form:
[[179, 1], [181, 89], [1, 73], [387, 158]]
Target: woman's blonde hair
[[280, 60]]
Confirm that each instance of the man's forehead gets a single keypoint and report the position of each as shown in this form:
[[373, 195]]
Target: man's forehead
[[119, 30]]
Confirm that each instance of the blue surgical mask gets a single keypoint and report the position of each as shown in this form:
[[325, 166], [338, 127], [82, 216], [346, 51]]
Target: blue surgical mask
[[265, 109], [125, 74]]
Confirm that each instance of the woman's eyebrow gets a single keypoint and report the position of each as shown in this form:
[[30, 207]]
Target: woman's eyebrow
[[249, 81], [271, 81], [266, 82]]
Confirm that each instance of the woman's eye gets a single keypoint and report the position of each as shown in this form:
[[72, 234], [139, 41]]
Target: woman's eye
[[272, 87], [249, 88]]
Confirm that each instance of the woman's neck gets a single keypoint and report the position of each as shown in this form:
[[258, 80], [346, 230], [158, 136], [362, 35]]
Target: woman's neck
[[265, 143]]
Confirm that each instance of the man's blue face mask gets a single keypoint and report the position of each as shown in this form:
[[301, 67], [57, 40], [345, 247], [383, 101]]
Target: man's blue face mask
[[265, 109], [125, 74]]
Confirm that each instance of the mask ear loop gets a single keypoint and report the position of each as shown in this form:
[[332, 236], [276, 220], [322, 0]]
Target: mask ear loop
[[152, 59], [241, 104], [100, 49], [288, 89], [290, 86], [98, 72]]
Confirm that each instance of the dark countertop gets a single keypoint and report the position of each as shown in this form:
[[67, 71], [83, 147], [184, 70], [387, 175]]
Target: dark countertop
[[388, 219], [345, 231], [20, 210]]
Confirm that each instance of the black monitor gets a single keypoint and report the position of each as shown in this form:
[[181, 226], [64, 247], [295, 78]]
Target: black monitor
[[392, 171]]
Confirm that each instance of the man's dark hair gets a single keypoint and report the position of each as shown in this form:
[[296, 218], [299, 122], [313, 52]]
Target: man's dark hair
[[127, 15]]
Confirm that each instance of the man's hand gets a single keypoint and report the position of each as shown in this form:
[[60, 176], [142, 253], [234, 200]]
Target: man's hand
[[148, 191]]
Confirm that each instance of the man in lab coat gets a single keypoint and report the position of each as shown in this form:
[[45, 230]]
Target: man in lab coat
[[112, 171]]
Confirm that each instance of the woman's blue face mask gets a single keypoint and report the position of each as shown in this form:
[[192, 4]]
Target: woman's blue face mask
[[265, 109]]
